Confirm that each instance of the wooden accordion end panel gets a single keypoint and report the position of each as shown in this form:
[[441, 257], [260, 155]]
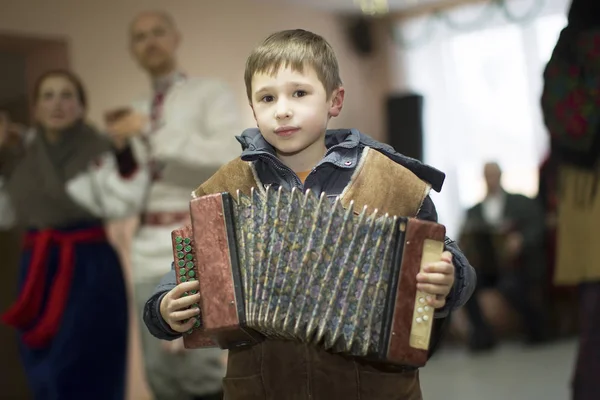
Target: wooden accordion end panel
[[222, 304], [289, 265], [413, 319], [186, 270]]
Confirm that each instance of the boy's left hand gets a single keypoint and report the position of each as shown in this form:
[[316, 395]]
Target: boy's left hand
[[437, 280]]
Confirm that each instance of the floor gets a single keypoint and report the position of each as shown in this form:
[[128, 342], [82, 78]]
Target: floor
[[509, 372]]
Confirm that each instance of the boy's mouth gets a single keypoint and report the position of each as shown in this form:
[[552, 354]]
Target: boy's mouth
[[285, 131]]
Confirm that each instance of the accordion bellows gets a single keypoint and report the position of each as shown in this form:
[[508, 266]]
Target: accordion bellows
[[293, 266]]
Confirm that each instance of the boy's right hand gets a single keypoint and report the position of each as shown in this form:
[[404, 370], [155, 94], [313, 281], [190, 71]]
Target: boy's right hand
[[174, 307]]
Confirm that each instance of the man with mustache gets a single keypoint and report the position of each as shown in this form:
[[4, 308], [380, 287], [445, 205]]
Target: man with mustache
[[185, 131]]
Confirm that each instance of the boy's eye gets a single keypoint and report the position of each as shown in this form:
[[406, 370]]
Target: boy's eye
[[267, 99], [300, 93]]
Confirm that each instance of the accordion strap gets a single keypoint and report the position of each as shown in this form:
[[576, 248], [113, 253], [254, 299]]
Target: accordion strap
[[234, 176], [381, 183]]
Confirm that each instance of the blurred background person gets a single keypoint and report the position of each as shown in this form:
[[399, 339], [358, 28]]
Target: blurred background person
[[185, 131], [504, 238], [64, 179], [10, 244], [570, 105]]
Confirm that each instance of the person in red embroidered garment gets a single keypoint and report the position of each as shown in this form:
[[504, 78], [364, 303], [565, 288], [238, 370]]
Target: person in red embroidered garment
[[185, 130], [64, 180]]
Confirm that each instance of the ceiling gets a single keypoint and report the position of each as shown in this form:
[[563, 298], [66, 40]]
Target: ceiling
[[352, 5]]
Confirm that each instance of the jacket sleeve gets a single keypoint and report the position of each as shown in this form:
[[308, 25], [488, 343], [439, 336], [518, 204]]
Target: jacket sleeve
[[114, 186], [155, 323], [465, 278]]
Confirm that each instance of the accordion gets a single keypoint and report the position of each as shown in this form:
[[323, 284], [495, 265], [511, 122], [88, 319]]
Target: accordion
[[289, 265]]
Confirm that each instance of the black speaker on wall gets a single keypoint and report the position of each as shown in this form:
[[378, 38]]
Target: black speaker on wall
[[360, 35], [405, 124]]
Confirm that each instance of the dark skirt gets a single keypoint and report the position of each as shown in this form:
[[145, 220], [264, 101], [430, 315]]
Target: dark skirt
[[86, 357]]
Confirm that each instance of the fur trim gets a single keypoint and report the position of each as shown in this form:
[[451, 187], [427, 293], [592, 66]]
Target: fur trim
[[357, 170]]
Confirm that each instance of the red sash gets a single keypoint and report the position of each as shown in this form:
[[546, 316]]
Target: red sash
[[23, 312]]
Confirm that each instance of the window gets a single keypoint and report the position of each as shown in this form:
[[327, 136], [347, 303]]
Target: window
[[482, 90]]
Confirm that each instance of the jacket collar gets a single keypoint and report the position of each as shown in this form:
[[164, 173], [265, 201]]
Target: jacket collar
[[344, 147]]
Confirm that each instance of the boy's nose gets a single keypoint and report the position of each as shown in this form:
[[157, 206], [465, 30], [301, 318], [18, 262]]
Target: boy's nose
[[283, 111]]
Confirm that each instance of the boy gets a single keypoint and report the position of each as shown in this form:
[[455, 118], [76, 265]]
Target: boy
[[294, 88]]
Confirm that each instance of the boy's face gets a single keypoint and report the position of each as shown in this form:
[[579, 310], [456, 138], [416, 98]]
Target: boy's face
[[292, 109]]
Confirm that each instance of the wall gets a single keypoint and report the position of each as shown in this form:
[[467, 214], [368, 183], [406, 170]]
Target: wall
[[218, 36]]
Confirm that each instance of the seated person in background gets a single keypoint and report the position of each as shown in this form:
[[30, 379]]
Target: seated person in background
[[503, 236]]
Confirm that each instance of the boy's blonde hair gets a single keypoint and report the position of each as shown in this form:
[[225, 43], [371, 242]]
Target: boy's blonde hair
[[294, 48]]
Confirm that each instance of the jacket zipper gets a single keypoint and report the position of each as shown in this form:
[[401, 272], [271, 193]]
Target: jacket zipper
[[286, 171]]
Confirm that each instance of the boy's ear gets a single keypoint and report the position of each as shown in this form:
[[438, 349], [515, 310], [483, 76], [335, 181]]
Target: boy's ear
[[337, 101]]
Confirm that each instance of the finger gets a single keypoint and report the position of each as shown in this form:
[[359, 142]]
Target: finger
[[436, 302], [447, 256], [434, 289], [179, 316], [438, 279], [184, 302], [179, 346], [181, 328], [441, 267], [185, 287]]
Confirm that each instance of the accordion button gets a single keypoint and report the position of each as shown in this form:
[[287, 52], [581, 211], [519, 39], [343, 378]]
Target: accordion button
[[419, 320], [426, 308], [425, 317], [421, 300], [420, 309]]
